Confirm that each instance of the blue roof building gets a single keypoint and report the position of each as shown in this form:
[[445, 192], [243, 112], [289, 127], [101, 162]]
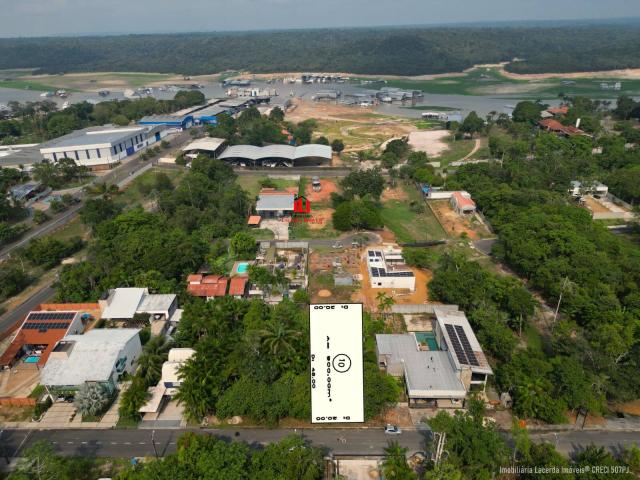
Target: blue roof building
[[173, 121]]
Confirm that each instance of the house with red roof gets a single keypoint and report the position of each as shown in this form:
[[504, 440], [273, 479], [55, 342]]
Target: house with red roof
[[207, 286], [462, 203], [38, 334], [238, 286], [554, 126]]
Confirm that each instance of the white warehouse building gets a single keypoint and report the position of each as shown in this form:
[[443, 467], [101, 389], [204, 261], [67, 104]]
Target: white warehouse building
[[101, 148]]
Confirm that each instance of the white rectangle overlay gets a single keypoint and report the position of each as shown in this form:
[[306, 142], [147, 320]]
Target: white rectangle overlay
[[337, 391]]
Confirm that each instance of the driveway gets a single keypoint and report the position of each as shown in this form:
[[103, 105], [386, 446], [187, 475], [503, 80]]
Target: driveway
[[280, 229]]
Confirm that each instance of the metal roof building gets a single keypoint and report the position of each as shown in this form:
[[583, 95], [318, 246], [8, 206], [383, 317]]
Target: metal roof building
[[312, 153], [15, 156], [181, 122], [209, 144]]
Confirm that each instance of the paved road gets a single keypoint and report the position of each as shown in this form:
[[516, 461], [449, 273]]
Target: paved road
[[17, 314], [128, 443], [570, 443], [117, 175]]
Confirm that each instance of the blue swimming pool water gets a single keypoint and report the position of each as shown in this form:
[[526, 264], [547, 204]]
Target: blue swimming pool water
[[31, 359], [243, 267], [429, 338]]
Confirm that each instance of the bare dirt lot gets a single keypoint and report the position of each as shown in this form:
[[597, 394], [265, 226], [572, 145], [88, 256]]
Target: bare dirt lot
[[595, 206], [430, 141], [321, 218], [397, 193], [324, 195], [454, 224]]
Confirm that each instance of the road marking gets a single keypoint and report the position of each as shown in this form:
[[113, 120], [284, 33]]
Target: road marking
[[114, 443], [84, 443], [141, 443], [127, 443], [69, 443]]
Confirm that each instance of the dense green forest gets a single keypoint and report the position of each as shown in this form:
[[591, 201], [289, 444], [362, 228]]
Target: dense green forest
[[589, 355], [399, 51]]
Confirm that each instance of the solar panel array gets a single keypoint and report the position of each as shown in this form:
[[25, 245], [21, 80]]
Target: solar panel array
[[381, 272], [45, 325], [462, 336], [461, 345], [51, 316]]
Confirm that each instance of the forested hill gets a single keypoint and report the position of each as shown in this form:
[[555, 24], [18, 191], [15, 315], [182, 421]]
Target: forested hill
[[399, 51]]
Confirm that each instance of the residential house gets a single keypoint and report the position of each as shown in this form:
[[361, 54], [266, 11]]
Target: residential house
[[439, 367], [462, 203], [99, 356], [387, 269]]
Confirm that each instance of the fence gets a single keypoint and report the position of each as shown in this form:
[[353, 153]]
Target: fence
[[420, 308], [17, 402]]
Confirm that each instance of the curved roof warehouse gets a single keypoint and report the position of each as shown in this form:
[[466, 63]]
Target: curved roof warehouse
[[304, 154]]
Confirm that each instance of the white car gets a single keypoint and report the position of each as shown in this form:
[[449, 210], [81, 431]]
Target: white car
[[392, 430]]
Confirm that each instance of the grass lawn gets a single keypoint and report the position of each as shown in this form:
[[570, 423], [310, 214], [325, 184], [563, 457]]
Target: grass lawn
[[301, 230], [489, 81], [251, 183], [30, 85], [133, 193], [261, 233], [409, 225], [457, 150], [75, 228]]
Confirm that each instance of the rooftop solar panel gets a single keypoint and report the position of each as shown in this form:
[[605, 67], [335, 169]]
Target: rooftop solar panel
[[467, 346], [457, 348], [51, 316]]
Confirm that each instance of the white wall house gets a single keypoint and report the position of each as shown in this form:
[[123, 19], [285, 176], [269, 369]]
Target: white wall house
[[99, 356], [101, 147], [387, 269]]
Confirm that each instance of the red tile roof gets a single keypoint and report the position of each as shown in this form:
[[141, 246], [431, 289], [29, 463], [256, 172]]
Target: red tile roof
[[34, 336], [558, 110], [237, 285], [555, 126], [463, 201], [254, 220], [211, 286], [194, 278]]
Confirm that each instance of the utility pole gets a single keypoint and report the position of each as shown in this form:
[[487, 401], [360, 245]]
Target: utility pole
[[153, 442], [565, 282], [441, 439]]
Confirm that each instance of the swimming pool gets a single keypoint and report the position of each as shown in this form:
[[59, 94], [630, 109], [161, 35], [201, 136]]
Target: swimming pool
[[32, 359], [242, 267], [427, 337]]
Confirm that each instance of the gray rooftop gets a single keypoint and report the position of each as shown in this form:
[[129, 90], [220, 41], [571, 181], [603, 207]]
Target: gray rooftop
[[164, 118], [19, 192], [156, 303], [282, 201], [277, 151], [16, 155], [107, 136], [91, 357], [428, 374]]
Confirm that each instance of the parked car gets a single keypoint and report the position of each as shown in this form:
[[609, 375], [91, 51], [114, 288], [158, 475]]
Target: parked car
[[392, 430]]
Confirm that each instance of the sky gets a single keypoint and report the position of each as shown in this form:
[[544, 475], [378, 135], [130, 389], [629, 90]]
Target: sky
[[27, 18]]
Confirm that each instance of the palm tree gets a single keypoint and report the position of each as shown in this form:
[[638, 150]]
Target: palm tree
[[91, 399], [385, 302], [394, 465], [154, 354], [278, 339]]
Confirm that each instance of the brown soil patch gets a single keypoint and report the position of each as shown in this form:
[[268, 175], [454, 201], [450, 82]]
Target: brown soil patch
[[453, 223], [387, 236], [324, 195], [321, 218], [324, 293], [595, 206], [305, 109], [430, 141], [631, 408], [397, 193], [402, 297]]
